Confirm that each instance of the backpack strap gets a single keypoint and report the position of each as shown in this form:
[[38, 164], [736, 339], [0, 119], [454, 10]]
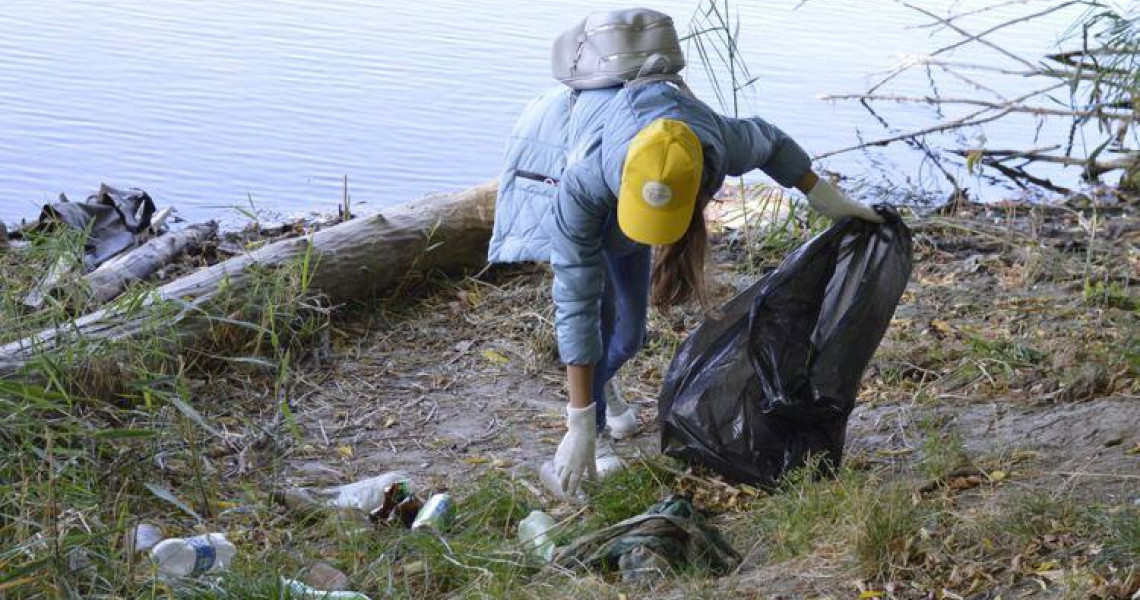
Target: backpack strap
[[655, 69]]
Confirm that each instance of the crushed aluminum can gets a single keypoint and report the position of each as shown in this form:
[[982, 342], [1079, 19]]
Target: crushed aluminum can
[[436, 514]]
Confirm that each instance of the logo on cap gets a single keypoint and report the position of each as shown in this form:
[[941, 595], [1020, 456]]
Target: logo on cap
[[656, 194]]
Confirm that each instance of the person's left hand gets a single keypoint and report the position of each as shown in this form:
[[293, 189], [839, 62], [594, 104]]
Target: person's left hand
[[832, 202]]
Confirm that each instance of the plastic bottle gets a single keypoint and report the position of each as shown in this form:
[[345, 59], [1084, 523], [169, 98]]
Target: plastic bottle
[[142, 537], [179, 557], [533, 532], [606, 461], [554, 485], [366, 495], [304, 592]]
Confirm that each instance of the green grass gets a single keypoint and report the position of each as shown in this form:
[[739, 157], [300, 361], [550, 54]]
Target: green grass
[[97, 423], [886, 531], [856, 513], [629, 492], [942, 452], [21, 271]]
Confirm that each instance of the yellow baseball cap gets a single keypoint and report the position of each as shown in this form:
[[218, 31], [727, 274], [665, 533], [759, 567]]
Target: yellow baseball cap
[[659, 183]]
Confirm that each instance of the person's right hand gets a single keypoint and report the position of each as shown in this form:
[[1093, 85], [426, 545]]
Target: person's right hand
[[575, 455]]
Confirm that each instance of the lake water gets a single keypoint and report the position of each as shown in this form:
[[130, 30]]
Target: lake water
[[214, 104]]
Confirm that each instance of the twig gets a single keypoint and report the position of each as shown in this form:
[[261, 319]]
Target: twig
[[978, 11], [978, 37], [970, 37], [1011, 106], [1093, 168]]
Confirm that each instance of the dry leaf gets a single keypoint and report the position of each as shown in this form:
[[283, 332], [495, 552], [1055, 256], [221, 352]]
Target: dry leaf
[[495, 357]]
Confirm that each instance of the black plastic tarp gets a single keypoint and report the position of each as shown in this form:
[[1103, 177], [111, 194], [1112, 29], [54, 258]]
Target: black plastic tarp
[[769, 380], [111, 220]]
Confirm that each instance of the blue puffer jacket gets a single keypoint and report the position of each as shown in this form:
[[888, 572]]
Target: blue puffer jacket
[[558, 193]]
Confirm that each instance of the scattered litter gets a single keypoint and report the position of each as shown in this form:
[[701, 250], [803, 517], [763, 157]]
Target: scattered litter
[[606, 461], [770, 378], [671, 535], [301, 591], [533, 533], [436, 514], [111, 219], [181, 557], [554, 485], [297, 500], [399, 506], [366, 495]]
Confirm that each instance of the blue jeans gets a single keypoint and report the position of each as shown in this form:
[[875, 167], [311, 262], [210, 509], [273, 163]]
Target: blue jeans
[[625, 306]]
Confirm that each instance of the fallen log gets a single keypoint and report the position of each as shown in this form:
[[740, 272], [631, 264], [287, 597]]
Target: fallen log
[[113, 276], [351, 261]]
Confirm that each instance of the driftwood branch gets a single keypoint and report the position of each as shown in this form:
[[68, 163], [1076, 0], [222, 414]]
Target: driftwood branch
[[113, 276], [351, 261]]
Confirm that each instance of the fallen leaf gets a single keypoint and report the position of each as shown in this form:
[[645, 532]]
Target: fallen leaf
[[495, 357], [390, 421], [941, 327], [996, 476], [476, 460], [344, 451], [872, 594]]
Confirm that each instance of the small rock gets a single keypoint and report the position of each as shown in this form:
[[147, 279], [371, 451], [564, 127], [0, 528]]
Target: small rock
[[324, 576]]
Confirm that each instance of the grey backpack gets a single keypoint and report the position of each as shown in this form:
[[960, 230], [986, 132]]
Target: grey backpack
[[614, 48]]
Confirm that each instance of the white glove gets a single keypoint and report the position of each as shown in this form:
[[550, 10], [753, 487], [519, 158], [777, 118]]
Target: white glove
[[621, 418], [575, 455], [829, 201]]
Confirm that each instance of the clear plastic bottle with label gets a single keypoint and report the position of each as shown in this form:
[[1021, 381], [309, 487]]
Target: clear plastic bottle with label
[[182, 557]]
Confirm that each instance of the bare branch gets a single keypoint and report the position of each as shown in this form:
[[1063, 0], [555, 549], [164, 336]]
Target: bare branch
[[986, 9], [1092, 168], [1017, 107], [969, 120], [970, 37], [1000, 26]]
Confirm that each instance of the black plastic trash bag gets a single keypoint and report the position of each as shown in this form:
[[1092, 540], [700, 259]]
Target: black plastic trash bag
[[769, 379], [111, 219]]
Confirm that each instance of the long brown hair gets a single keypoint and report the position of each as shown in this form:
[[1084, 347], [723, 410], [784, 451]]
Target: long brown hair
[[679, 268]]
